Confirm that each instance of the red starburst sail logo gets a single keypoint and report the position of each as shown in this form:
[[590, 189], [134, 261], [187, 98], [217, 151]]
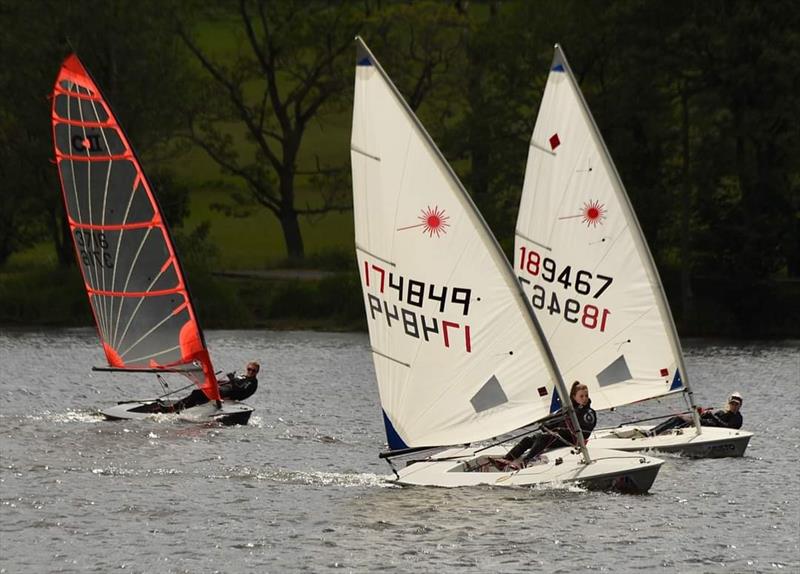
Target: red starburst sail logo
[[434, 222], [592, 213]]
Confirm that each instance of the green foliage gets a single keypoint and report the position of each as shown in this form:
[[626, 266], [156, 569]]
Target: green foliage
[[264, 95], [332, 303], [43, 296], [196, 252], [695, 100], [217, 305]]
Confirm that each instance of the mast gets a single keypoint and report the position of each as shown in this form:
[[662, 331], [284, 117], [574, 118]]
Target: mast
[[362, 52], [663, 304]]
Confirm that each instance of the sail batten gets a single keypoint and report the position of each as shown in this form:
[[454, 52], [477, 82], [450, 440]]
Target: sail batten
[[583, 260], [133, 279]]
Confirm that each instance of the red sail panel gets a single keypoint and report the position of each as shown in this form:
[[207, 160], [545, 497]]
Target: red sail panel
[[136, 287]]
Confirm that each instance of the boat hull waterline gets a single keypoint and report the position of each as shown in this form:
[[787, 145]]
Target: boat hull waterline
[[609, 470], [230, 413], [713, 442]]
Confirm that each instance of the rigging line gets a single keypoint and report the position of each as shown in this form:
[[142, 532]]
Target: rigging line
[[127, 281], [156, 354], [136, 180], [626, 423]]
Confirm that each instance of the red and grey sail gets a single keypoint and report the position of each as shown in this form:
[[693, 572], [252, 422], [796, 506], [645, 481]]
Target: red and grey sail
[[132, 275]]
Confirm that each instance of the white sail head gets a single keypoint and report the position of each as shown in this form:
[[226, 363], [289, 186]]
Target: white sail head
[[584, 262], [456, 351]]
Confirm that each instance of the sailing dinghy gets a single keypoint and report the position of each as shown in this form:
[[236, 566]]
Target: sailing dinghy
[[585, 266], [458, 354], [136, 287]]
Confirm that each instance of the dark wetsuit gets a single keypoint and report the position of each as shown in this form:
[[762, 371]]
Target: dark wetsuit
[[721, 418], [236, 388], [556, 433]]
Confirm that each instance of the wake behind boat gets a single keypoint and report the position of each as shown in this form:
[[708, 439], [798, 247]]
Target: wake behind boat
[[133, 278], [585, 266], [458, 354]]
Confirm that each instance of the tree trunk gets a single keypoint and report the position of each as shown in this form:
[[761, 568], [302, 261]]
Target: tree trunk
[[288, 215], [291, 235]]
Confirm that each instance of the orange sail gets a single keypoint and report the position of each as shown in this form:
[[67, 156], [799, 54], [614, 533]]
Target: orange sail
[[136, 287]]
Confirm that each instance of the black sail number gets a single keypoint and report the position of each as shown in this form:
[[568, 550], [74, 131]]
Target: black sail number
[[93, 248]]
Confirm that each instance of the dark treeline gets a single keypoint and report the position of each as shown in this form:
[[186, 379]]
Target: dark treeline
[[697, 102]]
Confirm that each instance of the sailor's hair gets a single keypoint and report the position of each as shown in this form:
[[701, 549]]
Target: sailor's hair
[[576, 386]]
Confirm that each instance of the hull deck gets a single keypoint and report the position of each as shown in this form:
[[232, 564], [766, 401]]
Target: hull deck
[[713, 442], [231, 412], [609, 470]]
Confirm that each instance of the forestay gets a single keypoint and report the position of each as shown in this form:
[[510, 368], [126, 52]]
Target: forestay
[[136, 288], [583, 261], [456, 351]]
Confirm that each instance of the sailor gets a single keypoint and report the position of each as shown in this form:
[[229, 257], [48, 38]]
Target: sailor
[[557, 432], [235, 388], [729, 417]]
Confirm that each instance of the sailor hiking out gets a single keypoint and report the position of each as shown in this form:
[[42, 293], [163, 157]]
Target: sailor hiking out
[[555, 433]]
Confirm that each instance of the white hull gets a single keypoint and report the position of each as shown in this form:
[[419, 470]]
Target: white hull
[[713, 442], [472, 467], [231, 412]]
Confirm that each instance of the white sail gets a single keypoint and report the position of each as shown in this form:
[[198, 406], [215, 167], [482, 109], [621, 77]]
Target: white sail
[[584, 263], [456, 350]]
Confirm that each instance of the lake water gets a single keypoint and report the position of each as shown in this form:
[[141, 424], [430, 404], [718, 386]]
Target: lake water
[[301, 489]]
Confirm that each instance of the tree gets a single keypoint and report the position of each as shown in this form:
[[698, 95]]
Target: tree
[[288, 66], [109, 38]]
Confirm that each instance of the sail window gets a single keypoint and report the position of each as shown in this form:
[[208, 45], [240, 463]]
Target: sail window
[[616, 372], [78, 109], [489, 396]]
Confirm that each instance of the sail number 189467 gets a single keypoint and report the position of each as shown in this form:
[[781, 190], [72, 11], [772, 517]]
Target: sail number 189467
[[583, 282]]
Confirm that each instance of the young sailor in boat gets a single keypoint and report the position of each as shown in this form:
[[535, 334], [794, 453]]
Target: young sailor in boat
[[236, 388], [555, 433], [729, 417]]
